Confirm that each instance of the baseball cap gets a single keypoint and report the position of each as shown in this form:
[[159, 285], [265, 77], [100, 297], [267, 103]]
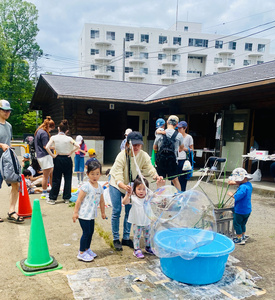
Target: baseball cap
[[135, 137], [27, 155], [160, 122], [173, 118], [127, 131], [91, 151], [239, 174], [182, 124], [5, 105], [79, 139]]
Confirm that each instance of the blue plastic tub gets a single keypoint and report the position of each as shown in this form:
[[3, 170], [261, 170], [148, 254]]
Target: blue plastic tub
[[208, 265]]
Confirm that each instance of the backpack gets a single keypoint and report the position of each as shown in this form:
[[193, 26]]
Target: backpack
[[166, 157], [10, 167]]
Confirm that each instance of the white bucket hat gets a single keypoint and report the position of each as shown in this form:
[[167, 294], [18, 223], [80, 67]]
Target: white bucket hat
[[239, 174], [79, 139]]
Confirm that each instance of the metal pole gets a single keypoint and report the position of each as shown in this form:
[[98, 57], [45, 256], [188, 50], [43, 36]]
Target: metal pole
[[35, 55], [123, 70], [177, 12]]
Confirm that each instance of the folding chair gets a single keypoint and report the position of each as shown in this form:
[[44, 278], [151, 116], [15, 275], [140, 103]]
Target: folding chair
[[216, 165]]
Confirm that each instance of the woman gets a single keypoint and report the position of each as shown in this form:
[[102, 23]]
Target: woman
[[41, 138], [123, 173], [64, 147], [79, 159], [188, 146]]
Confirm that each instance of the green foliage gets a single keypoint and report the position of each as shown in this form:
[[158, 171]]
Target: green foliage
[[29, 121], [18, 30]]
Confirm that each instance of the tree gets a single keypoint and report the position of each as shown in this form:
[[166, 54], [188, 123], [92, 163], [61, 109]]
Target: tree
[[29, 121], [18, 25]]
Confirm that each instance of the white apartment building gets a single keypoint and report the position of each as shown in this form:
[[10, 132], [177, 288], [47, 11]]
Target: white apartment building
[[159, 56]]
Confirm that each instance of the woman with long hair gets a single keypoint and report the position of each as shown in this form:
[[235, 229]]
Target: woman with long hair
[[64, 147], [41, 138]]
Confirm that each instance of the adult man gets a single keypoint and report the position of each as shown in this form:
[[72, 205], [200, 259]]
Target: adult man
[[169, 166], [5, 139]]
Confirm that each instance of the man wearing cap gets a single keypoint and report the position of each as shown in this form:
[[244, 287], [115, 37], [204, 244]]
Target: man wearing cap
[[172, 123], [5, 141], [123, 143]]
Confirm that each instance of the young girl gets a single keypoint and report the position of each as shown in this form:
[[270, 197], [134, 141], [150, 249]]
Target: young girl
[[90, 195], [79, 159], [137, 216]]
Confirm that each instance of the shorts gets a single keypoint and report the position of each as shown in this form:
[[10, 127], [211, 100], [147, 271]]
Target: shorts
[[173, 171], [45, 162], [78, 163]]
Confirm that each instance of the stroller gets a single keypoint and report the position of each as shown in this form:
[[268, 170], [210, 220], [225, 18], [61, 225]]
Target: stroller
[[30, 141]]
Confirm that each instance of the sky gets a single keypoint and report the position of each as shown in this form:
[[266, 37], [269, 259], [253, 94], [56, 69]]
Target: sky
[[61, 22]]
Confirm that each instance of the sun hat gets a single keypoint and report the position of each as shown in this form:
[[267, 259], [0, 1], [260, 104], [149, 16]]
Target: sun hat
[[239, 174], [27, 155], [91, 151], [79, 139], [5, 105], [127, 131], [182, 124], [160, 122], [135, 137]]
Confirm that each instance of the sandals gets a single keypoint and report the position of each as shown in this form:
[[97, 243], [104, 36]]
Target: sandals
[[13, 219]]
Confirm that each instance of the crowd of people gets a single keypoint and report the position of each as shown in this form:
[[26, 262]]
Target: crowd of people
[[126, 179]]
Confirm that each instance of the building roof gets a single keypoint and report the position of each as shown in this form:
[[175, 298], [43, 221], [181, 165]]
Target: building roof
[[66, 87]]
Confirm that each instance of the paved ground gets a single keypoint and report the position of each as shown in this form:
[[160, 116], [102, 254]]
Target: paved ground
[[63, 242]]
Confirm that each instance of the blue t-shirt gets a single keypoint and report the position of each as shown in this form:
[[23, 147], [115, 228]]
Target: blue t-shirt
[[243, 199], [90, 160], [40, 140]]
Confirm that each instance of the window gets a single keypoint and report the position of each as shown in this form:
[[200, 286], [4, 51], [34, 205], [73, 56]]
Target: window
[[144, 38], [175, 72], [161, 56], [231, 61], [260, 62], [94, 34], [176, 41], [110, 52], [261, 47], [248, 47], [196, 72], [110, 68], [93, 67], [110, 35], [217, 60], [196, 57], [128, 69], [94, 51], [162, 39], [198, 43], [218, 44], [143, 70], [129, 37], [232, 45], [175, 57], [143, 55], [185, 28], [246, 62], [128, 54], [161, 71]]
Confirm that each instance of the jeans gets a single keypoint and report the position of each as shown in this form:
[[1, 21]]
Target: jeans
[[116, 195], [239, 223], [88, 230]]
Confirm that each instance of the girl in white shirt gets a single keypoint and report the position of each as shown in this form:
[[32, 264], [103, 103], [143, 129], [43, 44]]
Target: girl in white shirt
[[137, 216], [89, 197]]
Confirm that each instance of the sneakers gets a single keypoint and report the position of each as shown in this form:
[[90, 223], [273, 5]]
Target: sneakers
[[49, 201], [117, 245], [66, 201], [138, 253], [239, 241], [44, 196], [91, 253], [149, 250], [128, 243], [85, 256], [245, 237]]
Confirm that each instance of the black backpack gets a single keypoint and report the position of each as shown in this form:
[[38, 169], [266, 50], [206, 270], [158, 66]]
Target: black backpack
[[166, 157]]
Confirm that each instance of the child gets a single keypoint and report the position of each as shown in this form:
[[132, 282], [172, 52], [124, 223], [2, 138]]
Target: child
[[79, 158], [92, 156], [242, 207], [137, 216], [32, 189], [90, 195], [26, 161]]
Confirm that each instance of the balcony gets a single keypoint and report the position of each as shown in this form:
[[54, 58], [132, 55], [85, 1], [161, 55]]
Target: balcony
[[136, 59], [102, 73], [169, 76], [223, 66], [103, 42], [136, 44], [226, 52], [169, 46], [169, 62], [136, 75], [99, 57], [255, 54]]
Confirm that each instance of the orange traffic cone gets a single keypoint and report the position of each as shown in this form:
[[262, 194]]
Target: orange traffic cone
[[24, 205]]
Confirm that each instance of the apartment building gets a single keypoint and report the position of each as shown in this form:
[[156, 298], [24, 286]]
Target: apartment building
[[152, 55]]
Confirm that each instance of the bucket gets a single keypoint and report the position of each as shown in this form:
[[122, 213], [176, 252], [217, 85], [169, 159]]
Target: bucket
[[208, 265]]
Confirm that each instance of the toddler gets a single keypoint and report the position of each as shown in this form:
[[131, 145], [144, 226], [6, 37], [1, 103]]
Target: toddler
[[92, 157], [242, 206], [138, 217], [89, 197], [26, 161], [32, 189]]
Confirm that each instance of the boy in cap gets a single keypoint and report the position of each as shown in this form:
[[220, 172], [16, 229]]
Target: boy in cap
[[123, 143], [242, 206], [92, 156], [26, 161], [160, 126], [5, 141]]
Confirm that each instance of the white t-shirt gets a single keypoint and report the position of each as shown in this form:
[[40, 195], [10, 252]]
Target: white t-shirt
[[88, 208], [137, 214], [63, 144], [187, 142]]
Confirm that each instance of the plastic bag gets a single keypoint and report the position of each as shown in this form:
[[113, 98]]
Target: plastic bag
[[186, 166], [153, 158], [257, 175]]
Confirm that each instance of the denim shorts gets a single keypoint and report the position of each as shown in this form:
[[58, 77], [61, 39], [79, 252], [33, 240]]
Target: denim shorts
[[1, 180]]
